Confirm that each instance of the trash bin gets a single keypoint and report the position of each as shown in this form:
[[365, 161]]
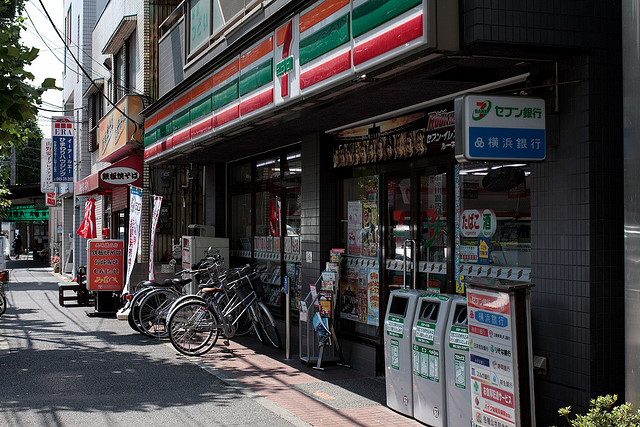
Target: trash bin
[[427, 345], [456, 363], [397, 349]]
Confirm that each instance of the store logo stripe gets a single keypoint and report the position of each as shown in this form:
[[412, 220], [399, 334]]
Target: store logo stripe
[[226, 116], [374, 13], [325, 70], [330, 37], [226, 94], [226, 73], [390, 40], [256, 53], [202, 88], [319, 13], [261, 100], [257, 77]]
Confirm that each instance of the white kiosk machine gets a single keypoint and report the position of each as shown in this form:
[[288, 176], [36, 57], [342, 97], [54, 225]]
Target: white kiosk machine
[[397, 349]]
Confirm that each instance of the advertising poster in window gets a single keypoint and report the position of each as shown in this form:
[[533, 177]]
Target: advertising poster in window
[[373, 296], [415, 135], [349, 294], [355, 227], [370, 229]]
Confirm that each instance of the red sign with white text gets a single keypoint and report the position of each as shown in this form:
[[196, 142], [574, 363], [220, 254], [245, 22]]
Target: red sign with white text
[[105, 268]]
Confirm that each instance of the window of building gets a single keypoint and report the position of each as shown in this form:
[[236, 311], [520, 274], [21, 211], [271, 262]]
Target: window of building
[[67, 37], [208, 18]]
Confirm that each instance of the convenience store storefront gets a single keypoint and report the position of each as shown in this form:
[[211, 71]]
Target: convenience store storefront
[[405, 199]]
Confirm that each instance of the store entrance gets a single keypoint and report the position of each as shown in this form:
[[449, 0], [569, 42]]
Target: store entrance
[[416, 243]]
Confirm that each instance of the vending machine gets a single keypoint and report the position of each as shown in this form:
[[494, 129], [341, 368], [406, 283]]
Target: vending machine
[[194, 248]]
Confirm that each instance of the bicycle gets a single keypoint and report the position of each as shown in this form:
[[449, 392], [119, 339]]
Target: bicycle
[[195, 325], [151, 303]]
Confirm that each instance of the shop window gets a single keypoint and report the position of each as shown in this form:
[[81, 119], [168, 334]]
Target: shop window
[[241, 174], [240, 236], [359, 277], [495, 220], [265, 222], [268, 169]]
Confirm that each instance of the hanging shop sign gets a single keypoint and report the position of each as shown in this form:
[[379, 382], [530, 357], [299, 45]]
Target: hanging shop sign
[[500, 128], [415, 135], [46, 166], [127, 171], [106, 265], [118, 135], [27, 213], [62, 149]]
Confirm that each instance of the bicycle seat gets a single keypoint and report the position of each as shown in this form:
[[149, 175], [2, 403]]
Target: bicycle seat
[[178, 282], [210, 290]]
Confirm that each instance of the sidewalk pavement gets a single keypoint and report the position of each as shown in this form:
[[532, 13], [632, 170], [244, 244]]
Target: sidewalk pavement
[[337, 396], [303, 396]]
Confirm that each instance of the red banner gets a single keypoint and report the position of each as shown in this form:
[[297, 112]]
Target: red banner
[[88, 227]]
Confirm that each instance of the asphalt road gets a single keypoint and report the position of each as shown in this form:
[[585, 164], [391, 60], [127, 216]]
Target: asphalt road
[[60, 367]]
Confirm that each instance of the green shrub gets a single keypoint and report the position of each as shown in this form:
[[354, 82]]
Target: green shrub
[[602, 413]]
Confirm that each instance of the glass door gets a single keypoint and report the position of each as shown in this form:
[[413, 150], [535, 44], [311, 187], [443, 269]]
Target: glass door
[[416, 232], [433, 252], [400, 241]]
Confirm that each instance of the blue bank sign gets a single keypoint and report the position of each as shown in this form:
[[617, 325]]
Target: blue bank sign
[[498, 128], [62, 149]]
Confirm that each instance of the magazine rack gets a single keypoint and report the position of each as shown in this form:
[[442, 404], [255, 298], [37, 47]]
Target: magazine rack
[[318, 341]]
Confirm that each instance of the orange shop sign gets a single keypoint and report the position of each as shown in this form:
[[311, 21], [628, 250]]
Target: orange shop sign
[[117, 135], [106, 265]]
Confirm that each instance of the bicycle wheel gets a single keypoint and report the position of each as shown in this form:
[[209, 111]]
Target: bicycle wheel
[[268, 325], [134, 308], [152, 314], [181, 300], [192, 329], [3, 303]]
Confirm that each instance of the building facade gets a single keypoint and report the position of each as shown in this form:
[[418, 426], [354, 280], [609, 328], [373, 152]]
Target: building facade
[[298, 127]]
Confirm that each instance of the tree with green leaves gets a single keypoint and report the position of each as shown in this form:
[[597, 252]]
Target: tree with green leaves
[[18, 97]]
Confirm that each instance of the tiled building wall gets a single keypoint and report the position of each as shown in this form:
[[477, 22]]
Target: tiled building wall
[[577, 260]]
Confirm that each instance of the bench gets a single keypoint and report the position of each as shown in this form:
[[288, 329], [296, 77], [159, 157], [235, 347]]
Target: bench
[[70, 286]]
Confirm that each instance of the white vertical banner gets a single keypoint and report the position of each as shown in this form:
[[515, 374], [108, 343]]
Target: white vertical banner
[[157, 204], [135, 212], [46, 166]]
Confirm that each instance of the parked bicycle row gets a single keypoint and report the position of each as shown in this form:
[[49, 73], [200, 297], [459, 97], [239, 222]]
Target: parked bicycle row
[[229, 303]]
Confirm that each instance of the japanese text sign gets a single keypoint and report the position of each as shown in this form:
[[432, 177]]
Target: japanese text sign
[[500, 128], [106, 265], [46, 166], [62, 148], [492, 358]]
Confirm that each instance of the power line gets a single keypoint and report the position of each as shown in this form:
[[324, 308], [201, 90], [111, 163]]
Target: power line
[[87, 74], [116, 84]]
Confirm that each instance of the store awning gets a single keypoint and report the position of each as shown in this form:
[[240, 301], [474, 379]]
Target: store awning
[[127, 171]]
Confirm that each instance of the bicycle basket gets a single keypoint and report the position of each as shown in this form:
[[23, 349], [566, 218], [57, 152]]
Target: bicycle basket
[[242, 288], [258, 286]]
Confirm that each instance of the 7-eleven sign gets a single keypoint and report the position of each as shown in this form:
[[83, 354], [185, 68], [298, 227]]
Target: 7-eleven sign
[[287, 85]]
